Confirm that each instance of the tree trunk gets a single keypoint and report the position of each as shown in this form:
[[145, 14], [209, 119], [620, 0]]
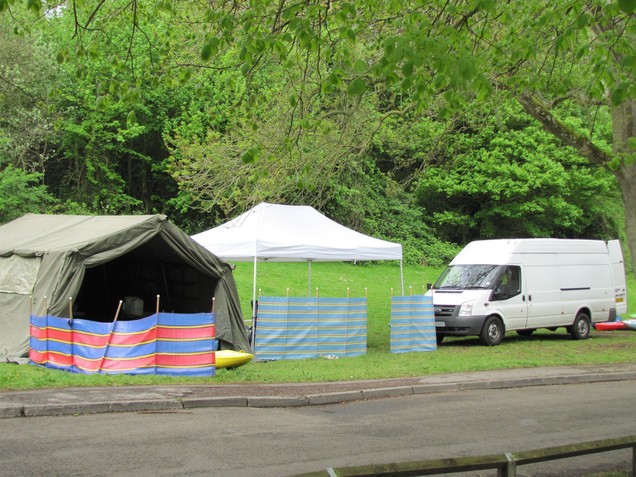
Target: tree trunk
[[623, 128]]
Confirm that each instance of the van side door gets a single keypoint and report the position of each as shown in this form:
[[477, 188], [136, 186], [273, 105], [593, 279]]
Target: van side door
[[508, 297], [544, 296]]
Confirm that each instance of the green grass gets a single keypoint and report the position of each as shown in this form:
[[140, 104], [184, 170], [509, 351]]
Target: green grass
[[377, 281]]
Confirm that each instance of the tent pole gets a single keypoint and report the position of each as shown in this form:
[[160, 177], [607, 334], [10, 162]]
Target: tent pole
[[308, 277], [402, 276], [253, 306]]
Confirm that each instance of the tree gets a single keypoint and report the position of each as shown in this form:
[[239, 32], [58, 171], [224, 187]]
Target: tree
[[510, 178], [21, 192], [27, 136], [105, 146], [437, 55]]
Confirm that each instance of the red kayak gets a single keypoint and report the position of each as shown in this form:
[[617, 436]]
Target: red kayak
[[610, 325]]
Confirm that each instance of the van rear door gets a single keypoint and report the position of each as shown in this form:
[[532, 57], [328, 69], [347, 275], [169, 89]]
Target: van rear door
[[618, 275]]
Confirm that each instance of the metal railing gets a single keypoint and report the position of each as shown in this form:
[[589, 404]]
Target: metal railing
[[505, 464]]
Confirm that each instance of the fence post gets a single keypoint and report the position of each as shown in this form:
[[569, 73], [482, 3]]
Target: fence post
[[509, 469]]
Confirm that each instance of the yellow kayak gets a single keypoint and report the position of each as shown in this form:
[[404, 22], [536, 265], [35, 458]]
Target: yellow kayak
[[228, 358]]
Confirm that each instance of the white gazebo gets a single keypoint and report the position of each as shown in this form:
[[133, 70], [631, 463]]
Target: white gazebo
[[290, 233]]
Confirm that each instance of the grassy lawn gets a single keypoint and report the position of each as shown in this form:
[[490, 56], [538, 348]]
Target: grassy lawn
[[377, 281]]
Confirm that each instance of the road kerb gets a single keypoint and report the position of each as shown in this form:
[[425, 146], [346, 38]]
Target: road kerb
[[276, 401], [216, 401], [379, 393], [332, 398]]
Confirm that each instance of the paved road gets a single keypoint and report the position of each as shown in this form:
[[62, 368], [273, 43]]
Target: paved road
[[250, 441]]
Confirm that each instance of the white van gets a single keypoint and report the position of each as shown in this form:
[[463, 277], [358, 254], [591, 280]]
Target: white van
[[495, 286]]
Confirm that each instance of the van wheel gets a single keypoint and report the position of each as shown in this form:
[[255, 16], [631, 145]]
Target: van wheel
[[492, 332], [580, 329]]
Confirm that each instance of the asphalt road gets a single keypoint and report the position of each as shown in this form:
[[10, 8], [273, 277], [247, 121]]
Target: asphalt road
[[276, 442]]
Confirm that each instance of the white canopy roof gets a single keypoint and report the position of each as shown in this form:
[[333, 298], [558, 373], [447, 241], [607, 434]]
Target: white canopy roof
[[292, 233]]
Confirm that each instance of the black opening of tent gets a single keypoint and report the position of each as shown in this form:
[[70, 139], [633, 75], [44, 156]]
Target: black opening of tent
[[151, 270]]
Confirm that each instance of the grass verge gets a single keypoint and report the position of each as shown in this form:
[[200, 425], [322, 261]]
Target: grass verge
[[377, 282]]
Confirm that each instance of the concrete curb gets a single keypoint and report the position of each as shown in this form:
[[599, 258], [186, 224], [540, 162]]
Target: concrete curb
[[232, 401], [169, 400], [11, 411]]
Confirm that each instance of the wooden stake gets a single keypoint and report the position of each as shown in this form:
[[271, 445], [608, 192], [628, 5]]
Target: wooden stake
[[347, 292], [70, 310], [316, 292], [117, 312], [213, 304], [410, 291], [157, 304], [110, 334]]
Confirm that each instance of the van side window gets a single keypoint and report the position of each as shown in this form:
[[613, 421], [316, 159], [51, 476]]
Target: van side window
[[508, 285]]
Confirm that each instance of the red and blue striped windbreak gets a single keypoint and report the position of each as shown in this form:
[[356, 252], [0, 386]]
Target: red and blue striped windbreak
[[163, 343]]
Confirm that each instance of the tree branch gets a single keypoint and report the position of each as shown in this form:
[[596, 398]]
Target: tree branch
[[540, 110]]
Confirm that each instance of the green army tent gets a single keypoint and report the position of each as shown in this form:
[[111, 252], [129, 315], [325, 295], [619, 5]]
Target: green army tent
[[48, 262]]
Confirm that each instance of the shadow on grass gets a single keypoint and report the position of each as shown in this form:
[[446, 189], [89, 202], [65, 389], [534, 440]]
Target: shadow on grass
[[543, 336]]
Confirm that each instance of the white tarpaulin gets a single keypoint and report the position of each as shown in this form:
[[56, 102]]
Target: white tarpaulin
[[292, 233]]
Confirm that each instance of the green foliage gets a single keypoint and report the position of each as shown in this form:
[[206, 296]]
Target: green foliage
[[21, 192], [26, 129], [508, 177], [627, 6], [109, 155], [374, 204], [353, 107]]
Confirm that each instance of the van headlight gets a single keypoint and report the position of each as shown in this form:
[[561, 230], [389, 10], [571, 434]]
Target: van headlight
[[466, 309]]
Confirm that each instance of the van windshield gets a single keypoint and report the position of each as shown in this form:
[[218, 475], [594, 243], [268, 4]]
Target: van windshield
[[465, 277]]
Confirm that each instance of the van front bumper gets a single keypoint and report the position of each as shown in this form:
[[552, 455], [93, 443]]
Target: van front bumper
[[459, 325]]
